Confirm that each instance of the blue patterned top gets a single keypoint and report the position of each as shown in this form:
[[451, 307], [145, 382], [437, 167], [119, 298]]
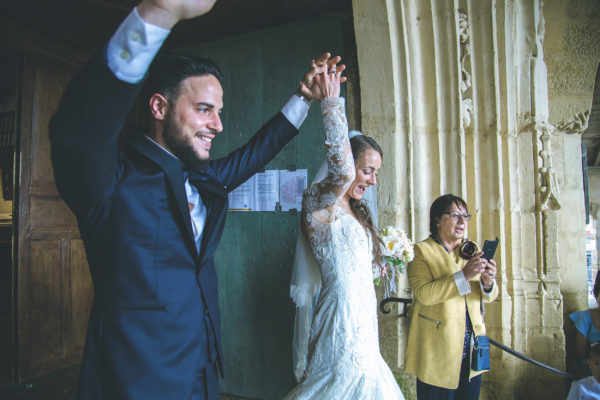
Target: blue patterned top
[[583, 323]]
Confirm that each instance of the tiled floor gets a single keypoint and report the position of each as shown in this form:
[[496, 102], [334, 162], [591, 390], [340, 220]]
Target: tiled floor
[[60, 385]]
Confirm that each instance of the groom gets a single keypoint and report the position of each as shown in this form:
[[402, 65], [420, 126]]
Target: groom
[[151, 208]]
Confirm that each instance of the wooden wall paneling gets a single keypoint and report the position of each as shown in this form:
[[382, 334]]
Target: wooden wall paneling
[[278, 241], [10, 61], [46, 259], [80, 299], [22, 267], [280, 231], [241, 336], [54, 286], [243, 95], [42, 323]]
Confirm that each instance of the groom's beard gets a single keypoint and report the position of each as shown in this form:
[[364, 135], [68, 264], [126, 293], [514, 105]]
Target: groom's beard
[[181, 145]]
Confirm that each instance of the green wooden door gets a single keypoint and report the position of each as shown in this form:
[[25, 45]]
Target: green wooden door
[[254, 260]]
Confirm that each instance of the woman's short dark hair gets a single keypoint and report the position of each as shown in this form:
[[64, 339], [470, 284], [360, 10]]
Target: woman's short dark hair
[[170, 69], [441, 205]]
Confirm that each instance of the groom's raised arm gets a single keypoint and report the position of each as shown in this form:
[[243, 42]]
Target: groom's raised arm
[[242, 163], [95, 104], [167, 13], [134, 45]]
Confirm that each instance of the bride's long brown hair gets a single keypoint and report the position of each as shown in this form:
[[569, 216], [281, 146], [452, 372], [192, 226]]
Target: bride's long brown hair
[[360, 144]]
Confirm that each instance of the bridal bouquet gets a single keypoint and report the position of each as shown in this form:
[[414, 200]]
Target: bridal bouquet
[[396, 249]]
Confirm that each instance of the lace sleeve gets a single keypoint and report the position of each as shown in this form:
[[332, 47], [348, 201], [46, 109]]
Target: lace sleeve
[[321, 196]]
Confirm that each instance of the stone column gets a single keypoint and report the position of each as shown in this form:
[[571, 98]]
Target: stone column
[[456, 92]]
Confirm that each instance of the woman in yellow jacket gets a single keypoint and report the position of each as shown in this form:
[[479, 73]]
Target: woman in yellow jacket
[[447, 310]]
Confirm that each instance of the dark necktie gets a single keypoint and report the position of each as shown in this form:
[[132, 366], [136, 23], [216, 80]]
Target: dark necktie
[[196, 208], [205, 184]]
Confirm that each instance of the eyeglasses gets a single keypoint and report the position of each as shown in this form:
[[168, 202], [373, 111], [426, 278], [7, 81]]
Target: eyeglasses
[[455, 215]]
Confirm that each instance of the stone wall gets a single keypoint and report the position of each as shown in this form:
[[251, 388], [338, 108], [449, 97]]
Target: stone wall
[[572, 54], [572, 48], [460, 97]]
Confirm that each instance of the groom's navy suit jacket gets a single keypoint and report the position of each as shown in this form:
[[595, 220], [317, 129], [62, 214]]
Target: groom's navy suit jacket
[[156, 315]]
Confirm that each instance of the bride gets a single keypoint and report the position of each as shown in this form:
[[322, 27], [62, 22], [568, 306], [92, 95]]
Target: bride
[[343, 360]]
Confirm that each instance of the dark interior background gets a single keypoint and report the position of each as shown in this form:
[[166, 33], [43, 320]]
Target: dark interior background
[[88, 23]]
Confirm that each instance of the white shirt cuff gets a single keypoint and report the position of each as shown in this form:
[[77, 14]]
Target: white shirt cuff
[[461, 283], [133, 47], [296, 110], [488, 294]]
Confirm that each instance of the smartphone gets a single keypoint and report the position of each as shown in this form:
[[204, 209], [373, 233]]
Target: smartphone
[[489, 248]]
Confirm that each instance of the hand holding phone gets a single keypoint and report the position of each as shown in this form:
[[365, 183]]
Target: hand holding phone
[[488, 276]]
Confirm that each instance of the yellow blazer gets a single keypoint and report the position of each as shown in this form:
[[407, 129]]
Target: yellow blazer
[[437, 321]]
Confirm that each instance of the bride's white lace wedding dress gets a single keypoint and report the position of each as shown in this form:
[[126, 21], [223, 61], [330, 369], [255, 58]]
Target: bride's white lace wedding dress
[[344, 358]]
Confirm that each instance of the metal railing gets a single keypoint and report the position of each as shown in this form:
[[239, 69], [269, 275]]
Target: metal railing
[[406, 303]]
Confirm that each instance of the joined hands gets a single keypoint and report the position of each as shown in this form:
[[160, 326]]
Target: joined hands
[[323, 78]]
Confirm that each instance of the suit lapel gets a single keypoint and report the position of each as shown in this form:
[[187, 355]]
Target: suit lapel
[[212, 192], [173, 170]]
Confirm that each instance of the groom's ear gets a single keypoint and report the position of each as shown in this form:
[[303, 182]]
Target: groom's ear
[[159, 106]]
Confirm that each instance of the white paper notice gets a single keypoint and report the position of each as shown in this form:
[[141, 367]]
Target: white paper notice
[[272, 190], [291, 187], [242, 198], [266, 190]]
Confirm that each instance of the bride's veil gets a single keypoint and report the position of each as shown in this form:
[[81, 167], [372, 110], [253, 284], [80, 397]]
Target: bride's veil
[[306, 281]]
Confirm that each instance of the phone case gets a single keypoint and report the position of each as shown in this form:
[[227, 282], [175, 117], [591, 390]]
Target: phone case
[[489, 248]]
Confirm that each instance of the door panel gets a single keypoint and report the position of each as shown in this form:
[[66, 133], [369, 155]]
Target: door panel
[[43, 320], [254, 260], [80, 296], [54, 290]]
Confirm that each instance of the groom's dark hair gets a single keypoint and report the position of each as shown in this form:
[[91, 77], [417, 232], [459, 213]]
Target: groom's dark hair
[[170, 69]]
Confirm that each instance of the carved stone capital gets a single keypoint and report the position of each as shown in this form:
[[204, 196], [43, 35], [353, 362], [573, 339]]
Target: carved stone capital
[[577, 125]]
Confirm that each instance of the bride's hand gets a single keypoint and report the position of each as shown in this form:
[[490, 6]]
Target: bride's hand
[[315, 84], [332, 80]]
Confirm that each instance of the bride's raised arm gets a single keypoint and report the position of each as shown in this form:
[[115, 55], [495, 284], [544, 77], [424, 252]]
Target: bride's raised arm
[[320, 197]]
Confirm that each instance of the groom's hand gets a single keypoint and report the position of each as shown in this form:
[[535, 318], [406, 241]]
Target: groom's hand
[[166, 13]]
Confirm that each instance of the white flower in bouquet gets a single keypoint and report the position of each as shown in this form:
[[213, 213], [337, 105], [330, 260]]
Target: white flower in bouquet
[[396, 248]]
